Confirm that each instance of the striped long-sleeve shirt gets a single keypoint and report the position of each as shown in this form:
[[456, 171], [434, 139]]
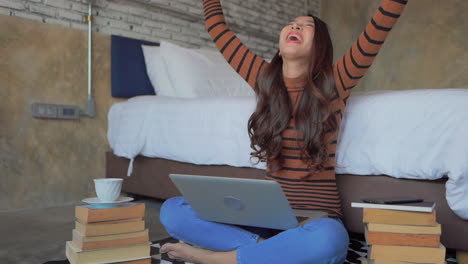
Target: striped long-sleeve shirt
[[319, 191]]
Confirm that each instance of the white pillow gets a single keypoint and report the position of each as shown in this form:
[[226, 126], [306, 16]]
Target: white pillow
[[157, 71], [201, 72]]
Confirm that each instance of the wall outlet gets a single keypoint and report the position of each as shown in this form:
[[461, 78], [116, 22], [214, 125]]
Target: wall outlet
[[55, 111]]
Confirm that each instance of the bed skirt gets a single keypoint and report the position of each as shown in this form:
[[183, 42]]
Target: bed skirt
[[150, 178]]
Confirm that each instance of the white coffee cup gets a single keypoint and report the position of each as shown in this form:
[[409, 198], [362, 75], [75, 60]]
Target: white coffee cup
[[108, 189]]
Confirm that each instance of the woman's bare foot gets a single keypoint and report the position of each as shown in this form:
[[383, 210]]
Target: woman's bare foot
[[185, 252]]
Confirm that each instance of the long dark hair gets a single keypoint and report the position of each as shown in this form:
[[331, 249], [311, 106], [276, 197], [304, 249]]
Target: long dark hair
[[313, 116]]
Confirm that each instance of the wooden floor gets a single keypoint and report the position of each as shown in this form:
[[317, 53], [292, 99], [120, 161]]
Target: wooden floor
[[38, 235], [462, 257]]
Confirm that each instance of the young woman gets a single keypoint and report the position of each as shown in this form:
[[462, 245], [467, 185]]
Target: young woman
[[301, 97]]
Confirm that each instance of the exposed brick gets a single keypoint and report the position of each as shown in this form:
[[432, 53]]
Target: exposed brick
[[28, 16], [55, 21], [111, 14], [70, 15], [65, 4], [196, 41], [180, 37], [115, 7], [6, 11], [198, 27], [152, 24], [43, 10], [170, 27], [195, 11], [180, 22], [147, 20], [142, 30], [12, 4], [80, 7], [178, 6], [190, 32], [160, 2], [118, 24], [161, 17], [160, 34], [134, 20]]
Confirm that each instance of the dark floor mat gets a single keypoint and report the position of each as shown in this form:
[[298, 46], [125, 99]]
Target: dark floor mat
[[357, 250]]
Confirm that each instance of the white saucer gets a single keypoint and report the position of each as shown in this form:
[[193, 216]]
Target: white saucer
[[95, 200]]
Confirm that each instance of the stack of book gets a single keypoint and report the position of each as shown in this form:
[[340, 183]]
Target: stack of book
[[402, 233], [106, 234]]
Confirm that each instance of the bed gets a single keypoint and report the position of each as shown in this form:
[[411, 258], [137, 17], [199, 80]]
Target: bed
[[149, 167]]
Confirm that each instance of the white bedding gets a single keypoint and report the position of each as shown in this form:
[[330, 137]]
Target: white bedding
[[417, 134], [210, 130]]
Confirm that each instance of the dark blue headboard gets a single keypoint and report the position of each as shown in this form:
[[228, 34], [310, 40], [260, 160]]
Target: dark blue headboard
[[128, 68]]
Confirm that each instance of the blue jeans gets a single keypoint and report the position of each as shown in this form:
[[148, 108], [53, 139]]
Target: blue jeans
[[322, 240]]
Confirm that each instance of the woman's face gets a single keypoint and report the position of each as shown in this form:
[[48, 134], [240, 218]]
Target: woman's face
[[297, 37]]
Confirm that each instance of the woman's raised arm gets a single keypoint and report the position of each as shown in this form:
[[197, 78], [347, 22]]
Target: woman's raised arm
[[244, 61], [350, 68]]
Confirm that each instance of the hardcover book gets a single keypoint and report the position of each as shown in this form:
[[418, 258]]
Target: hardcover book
[[107, 241], [384, 261], [408, 254], [103, 228], [139, 261], [414, 207], [383, 216], [405, 229], [403, 235], [99, 213], [108, 255]]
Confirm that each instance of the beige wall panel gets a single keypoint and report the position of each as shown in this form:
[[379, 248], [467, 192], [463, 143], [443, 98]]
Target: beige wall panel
[[428, 47], [46, 162]]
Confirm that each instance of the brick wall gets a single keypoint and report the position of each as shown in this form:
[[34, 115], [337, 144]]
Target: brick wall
[[256, 22]]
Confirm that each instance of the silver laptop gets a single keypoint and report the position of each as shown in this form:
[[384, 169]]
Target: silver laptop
[[247, 202]]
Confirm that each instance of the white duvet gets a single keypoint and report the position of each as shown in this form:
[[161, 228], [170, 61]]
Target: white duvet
[[417, 134], [209, 130]]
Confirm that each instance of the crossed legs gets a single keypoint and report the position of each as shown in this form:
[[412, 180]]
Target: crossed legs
[[319, 241]]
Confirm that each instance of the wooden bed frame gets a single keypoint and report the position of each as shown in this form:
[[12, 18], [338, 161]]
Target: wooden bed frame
[[150, 178]]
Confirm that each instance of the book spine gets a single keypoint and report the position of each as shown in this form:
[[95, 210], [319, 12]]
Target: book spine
[[396, 239], [76, 235], [382, 216], [112, 243], [405, 229], [409, 254], [87, 215], [384, 261], [98, 230], [109, 255], [139, 261]]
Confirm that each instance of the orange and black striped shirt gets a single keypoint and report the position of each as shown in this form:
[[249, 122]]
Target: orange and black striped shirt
[[319, 191]]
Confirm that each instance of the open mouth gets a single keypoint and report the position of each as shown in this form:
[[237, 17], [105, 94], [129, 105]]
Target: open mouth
[[294, 37]]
